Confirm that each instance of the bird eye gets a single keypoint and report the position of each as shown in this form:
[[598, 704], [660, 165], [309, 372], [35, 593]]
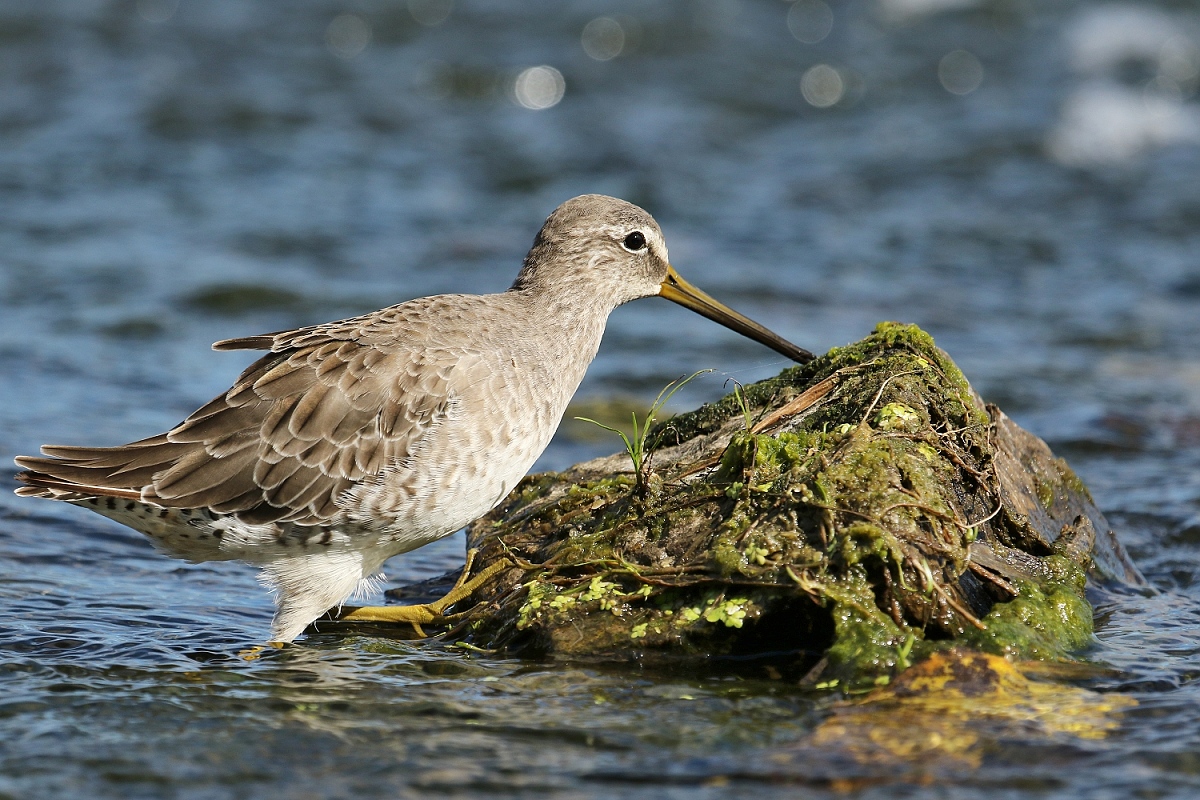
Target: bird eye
[[634, 241]]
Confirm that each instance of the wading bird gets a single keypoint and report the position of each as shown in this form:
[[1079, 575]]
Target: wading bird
[[354, 441]]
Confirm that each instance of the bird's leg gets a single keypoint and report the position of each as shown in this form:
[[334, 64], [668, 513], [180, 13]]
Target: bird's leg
[[418, 615], [255, 653]]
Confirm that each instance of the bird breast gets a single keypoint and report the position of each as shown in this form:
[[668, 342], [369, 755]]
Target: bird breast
[[504, 405]]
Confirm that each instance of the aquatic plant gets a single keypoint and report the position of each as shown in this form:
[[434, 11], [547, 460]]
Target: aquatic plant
[[739, 396], [638, 443]]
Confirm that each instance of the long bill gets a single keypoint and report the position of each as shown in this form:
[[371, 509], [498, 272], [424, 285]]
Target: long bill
[[678, 290]]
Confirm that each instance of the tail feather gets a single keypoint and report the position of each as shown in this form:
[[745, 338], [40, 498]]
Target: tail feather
[[98, 471], [39, 484], [97, 455], [77, 474]]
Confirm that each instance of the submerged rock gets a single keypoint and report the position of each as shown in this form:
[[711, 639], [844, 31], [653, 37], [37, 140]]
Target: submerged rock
[[836, 523]]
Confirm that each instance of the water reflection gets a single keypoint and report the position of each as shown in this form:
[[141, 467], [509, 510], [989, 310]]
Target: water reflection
[[810, 21], [347, 35], [822, 86], [1137, 66], [603, 38], [430, 13], [539, 88], [960, 72], [909, 10], [1102, 123]]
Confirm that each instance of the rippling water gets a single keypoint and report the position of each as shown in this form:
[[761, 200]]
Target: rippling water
[[1020, 179]]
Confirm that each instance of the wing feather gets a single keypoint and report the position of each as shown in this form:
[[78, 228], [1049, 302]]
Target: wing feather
[[301, 426], [270, 477], [295, 485]]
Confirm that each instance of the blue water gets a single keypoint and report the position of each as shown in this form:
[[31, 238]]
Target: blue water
[[176, 173]]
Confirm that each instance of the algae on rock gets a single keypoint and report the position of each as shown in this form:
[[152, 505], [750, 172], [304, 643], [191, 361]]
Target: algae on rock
[[875, 511]]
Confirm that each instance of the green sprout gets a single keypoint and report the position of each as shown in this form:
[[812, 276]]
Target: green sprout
[[739, 396], [904, 650], [638, 444]]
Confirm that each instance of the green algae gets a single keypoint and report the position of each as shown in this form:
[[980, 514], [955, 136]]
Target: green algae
[[825, 516]]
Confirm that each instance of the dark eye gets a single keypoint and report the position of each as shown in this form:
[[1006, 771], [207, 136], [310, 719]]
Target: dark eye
[[634, 241]]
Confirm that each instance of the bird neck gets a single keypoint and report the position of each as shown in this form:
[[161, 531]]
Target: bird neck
[[577, 323]]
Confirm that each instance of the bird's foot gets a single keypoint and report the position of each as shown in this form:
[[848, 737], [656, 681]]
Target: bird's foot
[[429, 613], [256, 652]]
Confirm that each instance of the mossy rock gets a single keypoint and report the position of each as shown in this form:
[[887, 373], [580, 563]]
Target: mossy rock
[[835, 523]]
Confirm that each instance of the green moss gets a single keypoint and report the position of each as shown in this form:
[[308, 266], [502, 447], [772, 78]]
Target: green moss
[[1071, 481], [856, 516], [867, 643], [1048, 620], [1045, 493], [898, 417]]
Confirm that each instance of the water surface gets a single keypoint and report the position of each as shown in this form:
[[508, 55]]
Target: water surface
[[1019, 179]]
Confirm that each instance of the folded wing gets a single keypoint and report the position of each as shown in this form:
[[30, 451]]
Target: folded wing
[[298, 428]]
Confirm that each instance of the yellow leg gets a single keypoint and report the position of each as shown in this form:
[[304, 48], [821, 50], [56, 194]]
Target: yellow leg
[[254, 653], [428, 612]]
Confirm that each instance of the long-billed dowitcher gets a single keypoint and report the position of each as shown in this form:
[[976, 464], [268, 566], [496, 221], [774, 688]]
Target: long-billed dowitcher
[[354, 441]]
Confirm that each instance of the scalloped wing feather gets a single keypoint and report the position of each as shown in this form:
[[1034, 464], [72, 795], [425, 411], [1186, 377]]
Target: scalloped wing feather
[[300, 427]]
